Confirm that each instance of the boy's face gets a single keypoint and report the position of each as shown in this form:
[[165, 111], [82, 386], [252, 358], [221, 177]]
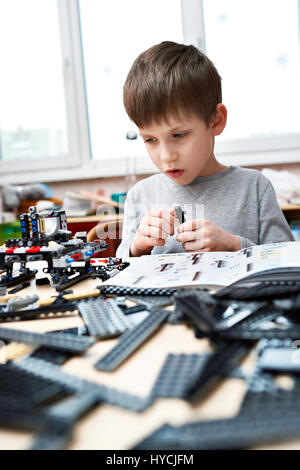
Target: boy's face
[[183, 147]]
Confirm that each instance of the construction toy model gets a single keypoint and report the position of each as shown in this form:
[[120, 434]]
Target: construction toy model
[[45, 237]]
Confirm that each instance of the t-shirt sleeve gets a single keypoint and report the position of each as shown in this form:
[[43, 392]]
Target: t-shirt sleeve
[[130, 225], [273, 226]]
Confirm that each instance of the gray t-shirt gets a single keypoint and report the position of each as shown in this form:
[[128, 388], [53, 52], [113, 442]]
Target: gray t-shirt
[[239, 200]]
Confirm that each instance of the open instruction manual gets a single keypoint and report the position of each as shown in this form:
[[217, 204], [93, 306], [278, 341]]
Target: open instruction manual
[[219, 268]]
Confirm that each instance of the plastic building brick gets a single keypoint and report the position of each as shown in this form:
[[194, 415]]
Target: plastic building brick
[[242, 432], [259, 290], [276, 356], [139, 317], [254, 335], [56, 356], [130, 291], [65, 413], [268, 414], [64, 342], [155, 301], [27, 420], [197, 312], [226, 357], [131, 340], [179, 214], [210, 318], [26, 308], [25, 389], [61, 255], [53, 436], [134, 309], [19, 288], [103, 318], [74, 384], [178, 373], [9, 279]]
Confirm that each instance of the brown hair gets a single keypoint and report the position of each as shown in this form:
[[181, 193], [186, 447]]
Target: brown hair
[[170, 78]]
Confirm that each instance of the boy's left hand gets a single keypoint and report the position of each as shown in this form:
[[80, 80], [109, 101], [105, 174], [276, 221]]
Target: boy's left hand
[[204, 235]]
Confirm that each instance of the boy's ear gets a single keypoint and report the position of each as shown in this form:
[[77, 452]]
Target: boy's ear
[[219, 120]]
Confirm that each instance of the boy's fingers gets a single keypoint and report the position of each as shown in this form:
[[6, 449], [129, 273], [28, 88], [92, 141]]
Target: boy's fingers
[[188, 236], [153, 241], [168, 216], [193, 246], [191, 224], [153, 232], [165, 227]]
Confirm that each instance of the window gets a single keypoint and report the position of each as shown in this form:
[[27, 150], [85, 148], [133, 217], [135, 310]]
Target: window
[[256, 49], [64, 63], [113, 34], [33, 122]]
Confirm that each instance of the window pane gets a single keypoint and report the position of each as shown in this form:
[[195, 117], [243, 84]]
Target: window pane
[[255, 47], [114, 33], [32, 109]]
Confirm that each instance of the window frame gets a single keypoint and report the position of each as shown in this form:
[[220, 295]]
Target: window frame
[[78, 164]]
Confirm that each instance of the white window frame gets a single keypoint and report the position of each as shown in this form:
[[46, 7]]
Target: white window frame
[[78, 164]]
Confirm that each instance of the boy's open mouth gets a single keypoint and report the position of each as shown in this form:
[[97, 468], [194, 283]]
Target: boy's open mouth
[[175, 172]]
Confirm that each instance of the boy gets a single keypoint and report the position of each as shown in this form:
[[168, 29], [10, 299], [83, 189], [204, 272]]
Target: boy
[[173, 94]]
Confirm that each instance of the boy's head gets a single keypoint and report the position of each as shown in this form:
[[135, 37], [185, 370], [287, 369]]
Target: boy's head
[[170, 79]]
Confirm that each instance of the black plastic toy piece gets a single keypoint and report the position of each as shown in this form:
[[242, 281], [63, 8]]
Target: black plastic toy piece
[[27, 419], [153, 301], [103, 317], [55, 356], [19, 288], [13, 310], [226, 357], [179, 214], [177, 375], [130, 291], [65, 413], [133, 309], [63, 342], [268, 414], [22, 390], [7, 279], [74, 384], [209, 317], [244, 431], [254, 335], [131, 339], [277, 356], [60, 257], [248, 290]]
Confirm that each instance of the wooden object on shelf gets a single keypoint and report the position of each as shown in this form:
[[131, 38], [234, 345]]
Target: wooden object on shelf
[[103, 200]]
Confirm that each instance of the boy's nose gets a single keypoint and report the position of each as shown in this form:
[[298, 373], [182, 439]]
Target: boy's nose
[[168, 154]]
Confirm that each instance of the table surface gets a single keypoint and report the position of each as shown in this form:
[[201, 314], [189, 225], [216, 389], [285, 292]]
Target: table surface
[[109, 427]]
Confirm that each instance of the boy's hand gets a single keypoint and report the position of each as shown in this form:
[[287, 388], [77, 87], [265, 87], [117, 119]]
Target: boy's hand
[[154, 229], [204, 235]]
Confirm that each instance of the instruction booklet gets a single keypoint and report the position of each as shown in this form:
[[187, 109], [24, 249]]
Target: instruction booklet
[[219, 268]]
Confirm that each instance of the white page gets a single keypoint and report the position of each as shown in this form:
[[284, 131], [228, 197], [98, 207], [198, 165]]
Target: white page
[[201, 269]]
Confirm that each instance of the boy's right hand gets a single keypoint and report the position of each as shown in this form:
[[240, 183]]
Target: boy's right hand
[[154, 229]]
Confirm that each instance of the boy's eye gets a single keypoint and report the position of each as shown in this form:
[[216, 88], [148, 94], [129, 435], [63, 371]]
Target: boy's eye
[[179, 134], [150, 140]]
